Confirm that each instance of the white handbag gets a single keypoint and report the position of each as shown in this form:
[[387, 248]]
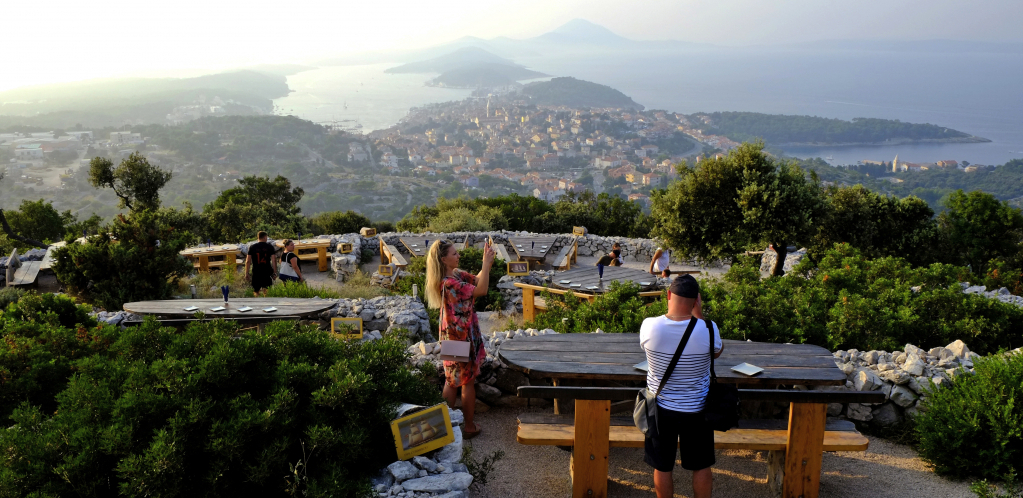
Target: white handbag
[[454, 351]]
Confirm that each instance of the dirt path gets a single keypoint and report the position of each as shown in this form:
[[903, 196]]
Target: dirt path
[[885, 470]]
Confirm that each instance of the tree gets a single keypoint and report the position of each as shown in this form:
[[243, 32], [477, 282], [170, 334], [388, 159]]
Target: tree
[[338, 222], [258, 203], [977, 228], [738, 202], [136, 182]]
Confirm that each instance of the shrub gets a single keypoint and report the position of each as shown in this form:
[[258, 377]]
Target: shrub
[[137, 262], [849, 301], [299, 290], [338, 222], [972, 426], [619, 310], [213, 410], [9, 295], [458, 220]]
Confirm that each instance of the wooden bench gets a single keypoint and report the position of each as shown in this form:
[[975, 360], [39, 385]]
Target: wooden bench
[[21, 273], [567, 256], [531, 303], [501, 252], [796, 448], [390, 255]]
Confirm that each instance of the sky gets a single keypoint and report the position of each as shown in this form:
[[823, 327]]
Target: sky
[[61, 40]]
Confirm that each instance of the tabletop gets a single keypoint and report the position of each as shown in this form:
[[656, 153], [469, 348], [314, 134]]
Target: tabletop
[[285, 306], [418, 246], [587, 279], [217, 250], [613, 356], [531, 247], [306, 243]]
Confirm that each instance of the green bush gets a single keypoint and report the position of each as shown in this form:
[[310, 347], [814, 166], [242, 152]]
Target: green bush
[[207, 411], [972, 426], [299, 290], [849, 301], [338, 222], [459, 220], [9, 295], [619, 310], [138, 261]]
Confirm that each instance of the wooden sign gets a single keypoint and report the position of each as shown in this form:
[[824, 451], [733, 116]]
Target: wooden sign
[[346, 328], [368, 232], [344, 247], [579, 231], [385, 270], [422, 431], [518, 268]]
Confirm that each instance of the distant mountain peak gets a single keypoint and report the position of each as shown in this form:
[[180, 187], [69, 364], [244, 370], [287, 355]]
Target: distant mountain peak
[[582, 29]]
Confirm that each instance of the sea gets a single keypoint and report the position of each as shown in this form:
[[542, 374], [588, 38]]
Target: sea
[[977, 93]]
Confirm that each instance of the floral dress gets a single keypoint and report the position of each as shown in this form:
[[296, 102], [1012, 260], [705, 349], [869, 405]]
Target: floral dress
[[459, 323]]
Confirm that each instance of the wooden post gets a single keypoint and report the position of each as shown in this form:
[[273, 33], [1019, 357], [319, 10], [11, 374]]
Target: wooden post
[[322, 253], [575, 250], [204, 262], [230, 259], [383, 254], [528, 310], [805, 450], [590, 451]]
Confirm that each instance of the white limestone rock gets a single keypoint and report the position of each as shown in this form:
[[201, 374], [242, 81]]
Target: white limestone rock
[[456, 481], [402, 470]]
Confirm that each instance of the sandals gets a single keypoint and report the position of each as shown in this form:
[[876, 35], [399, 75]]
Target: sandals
[[471, 434]]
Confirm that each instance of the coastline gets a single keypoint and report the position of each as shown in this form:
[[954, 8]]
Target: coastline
[[972, 139]]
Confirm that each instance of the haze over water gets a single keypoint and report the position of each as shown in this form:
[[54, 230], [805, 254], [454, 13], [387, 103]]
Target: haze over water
[[977, 93]]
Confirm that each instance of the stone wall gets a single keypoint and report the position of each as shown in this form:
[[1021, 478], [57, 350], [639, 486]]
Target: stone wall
[[382, 315]]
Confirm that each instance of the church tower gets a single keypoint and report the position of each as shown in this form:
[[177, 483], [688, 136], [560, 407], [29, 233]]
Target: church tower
[[895, 164]]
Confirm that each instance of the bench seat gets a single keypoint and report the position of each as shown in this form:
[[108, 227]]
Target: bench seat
[[563, 261], [26, 274], [393, 256], [559, 430]]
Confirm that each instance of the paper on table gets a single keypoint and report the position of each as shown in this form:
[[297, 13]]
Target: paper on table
[[270, 309], [218, 308], [244, 309], [747, 369], [192, 308]]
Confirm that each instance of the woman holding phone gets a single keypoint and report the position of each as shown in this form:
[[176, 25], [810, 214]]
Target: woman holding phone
[[454, 292]]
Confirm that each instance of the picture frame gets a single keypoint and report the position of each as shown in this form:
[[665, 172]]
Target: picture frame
[[385, 270], [518, 268], [354, 323], [579, 231], [422, 431], [344, 247], [368, 232]]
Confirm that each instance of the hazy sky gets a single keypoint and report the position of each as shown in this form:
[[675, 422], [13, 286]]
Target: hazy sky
[[62, 40]]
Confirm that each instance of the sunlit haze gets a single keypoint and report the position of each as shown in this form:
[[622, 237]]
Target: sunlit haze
[[64, 41]]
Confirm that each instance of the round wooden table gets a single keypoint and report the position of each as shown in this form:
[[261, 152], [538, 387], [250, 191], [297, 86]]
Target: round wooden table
[[285, 307], [587, 279]]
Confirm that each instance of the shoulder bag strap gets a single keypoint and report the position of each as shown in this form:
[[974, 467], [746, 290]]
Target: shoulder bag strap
[[710, 328], [678, 354]]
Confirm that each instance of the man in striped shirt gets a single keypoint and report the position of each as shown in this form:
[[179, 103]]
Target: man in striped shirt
[[679, 408]]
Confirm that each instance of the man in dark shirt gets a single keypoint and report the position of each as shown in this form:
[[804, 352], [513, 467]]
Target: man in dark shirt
[[262, 258]]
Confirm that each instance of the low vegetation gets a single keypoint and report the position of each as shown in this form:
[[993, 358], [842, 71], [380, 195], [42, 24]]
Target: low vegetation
[[99, 411], [619, 310]]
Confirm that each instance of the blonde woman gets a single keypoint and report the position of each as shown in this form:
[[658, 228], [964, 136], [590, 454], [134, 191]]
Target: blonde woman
[[454, 292]]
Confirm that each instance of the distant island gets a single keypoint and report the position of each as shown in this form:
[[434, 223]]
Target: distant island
[[469, 67], [787, 130], [571, 92]]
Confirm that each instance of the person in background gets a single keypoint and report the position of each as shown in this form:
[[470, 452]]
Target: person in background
[[660, 262], [616, 255], [290, 271], [454, 292], [680, 422], [261, 258]]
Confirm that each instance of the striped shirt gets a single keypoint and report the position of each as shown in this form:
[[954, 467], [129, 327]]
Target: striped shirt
[[686, 390]]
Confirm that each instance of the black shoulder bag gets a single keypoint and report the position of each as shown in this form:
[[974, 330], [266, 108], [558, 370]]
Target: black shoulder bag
[[721, 410], [645, 411]]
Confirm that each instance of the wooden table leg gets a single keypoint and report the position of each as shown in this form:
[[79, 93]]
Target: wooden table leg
[[322, 253], [204, 263], [229, 260], [590, 452], [804, 451], [528, 309]]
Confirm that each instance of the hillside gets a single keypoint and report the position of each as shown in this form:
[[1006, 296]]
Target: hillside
[[779, 129], [577, 93], [483, 75]]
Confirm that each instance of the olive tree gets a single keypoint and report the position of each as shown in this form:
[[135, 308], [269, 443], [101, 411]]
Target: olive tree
[[743, 200], [136, 182]]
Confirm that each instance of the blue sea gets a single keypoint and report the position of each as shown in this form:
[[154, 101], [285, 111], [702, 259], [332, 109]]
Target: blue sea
[[977, 93]]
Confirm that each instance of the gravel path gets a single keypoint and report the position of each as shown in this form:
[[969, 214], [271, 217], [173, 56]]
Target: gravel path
[[884, 470]]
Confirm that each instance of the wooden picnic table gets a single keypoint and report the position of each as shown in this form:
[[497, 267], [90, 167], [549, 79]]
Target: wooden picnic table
[[587, 279], [611, 358], [313, 249], [200, 256], [533, 249], [418, 246], [285, 307]]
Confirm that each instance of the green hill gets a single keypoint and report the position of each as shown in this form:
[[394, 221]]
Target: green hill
[[577, 93]]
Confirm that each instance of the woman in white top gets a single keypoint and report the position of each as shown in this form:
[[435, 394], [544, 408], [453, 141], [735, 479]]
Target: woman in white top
[[659, 263], [290, 271]]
